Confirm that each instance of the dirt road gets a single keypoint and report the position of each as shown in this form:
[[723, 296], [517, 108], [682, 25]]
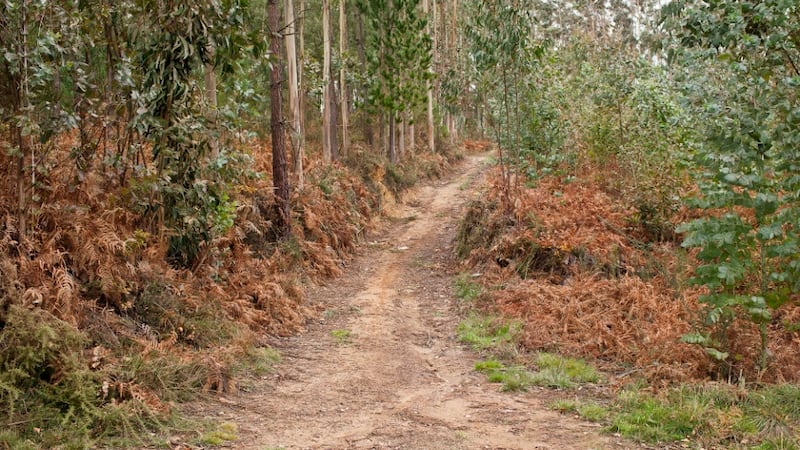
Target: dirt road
[[382, 369]]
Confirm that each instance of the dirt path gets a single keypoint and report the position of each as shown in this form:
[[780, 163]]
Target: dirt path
[[399, 380]]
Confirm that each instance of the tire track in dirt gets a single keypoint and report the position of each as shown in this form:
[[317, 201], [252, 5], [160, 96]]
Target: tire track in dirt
[[400, 380]]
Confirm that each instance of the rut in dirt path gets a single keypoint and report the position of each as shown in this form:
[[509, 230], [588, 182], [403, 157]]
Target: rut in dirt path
[[381, 369]]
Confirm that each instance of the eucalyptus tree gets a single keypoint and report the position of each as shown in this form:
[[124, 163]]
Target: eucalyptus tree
[[293, 68], [398, 55], [328, 126], [343, 97], [429, 14], [42, 76], [503, 51], [739, 61]]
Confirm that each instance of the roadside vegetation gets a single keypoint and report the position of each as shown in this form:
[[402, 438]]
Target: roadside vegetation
[[161, 210], [174, 174], [641, 215]]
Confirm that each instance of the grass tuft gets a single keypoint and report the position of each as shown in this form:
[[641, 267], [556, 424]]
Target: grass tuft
[[466, 289], [512, 378], [488, 333], [559, 372], [224, 433], [593, 412], [342, 337]]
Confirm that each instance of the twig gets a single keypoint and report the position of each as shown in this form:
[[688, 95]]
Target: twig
[[621, 232]]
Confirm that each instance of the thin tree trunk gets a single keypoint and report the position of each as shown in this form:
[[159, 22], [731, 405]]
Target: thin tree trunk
[[431, 126], [22, 207], [402, 138], [366, 122], [392, 149], [345, 119], [301, 99], [383, 135], [327, 142], [210, 96], [280, 179], [294, 94], [412, 137], [334, 120]]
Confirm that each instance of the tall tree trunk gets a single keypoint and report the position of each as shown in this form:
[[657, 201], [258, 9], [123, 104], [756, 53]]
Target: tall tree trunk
[[383, 135], [210, 97], [327, 141], [334, 119], [392, 149], [294, 94], [412, 136], [366, 122], [345, 119], [280, 179], [22, 140], [402, 138], [431, 126], [301, 85]]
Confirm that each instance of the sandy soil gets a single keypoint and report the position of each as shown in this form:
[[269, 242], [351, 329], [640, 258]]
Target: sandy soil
[[400, 380]]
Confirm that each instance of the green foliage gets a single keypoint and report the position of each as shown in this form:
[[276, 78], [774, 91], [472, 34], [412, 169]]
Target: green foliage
[[48, 394], [743, 87], [399, 54], [202, 326], [42, 373], [399, 177], [258, 361], [190, 198], [504, 54]]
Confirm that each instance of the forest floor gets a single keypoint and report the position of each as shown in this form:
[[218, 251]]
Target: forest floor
[[381, 367]]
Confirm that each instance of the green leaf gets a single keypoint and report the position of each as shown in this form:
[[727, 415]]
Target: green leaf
[[716, 354]]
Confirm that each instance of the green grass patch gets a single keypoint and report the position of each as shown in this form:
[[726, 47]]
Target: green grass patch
[[514, 378], [765, 418], [589, 410], [257, 361], [224, 433], [560, 372], [488, 333], [647, 418], [342, 337], [564, 405], [593, 412], [466, 289]]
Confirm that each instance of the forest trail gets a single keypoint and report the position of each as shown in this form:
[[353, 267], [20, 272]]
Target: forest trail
[[382, 369]]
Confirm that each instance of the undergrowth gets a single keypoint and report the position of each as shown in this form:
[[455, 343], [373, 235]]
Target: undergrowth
[[718, 414], [467, 289], [580, 273], [101, 337]]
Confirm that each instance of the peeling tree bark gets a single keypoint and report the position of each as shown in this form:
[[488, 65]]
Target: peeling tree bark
[[295, 130], [342, 78], [431, 126], [327, 141]]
